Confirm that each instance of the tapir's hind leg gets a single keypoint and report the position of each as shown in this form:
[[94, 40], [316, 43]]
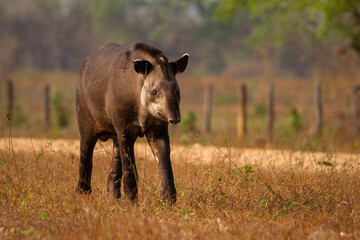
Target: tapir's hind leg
[[87, 144], [115, 172], [130, 175]]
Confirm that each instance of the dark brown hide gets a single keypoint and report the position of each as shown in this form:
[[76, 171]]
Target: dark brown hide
[[124, 93]]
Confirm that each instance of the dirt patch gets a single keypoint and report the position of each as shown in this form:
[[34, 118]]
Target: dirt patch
[[198, 154]]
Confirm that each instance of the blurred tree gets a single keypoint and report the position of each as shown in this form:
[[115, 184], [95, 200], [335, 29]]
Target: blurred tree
[[277, 23], [9, 43], [187, 25], [49, 34], [283, 35], [74, 38], [42, 34], [212, 36]]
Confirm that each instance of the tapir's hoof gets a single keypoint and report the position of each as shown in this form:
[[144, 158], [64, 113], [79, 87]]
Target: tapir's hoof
[[130, 186], [115, 193], [169, 198], [132, 196], [83, 188], [114, 187]]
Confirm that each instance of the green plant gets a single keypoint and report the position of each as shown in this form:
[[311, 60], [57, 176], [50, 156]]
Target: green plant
[[43, 215], [225, 99], [260, 110], [188, 123], [19, 116], [296, 120], [185, 211], [61, 113]]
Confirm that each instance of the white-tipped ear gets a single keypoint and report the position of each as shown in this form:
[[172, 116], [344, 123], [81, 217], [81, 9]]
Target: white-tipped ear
[[180, 64]]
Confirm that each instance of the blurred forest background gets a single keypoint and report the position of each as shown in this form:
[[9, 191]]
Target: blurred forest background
[[266, 37], [257, 42]]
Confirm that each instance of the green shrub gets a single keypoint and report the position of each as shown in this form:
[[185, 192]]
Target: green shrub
[[225, 99], [18, 116], [296, 120], [61, 113], [260, 110], [188, 122]]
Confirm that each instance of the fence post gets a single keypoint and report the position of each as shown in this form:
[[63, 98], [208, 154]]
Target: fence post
[[10, 98], [241, 123], [207, 108], [318, 109], [47, 105], [356, 109], [271, 112]]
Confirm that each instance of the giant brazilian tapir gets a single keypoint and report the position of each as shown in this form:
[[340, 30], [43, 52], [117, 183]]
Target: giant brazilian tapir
[[124, 93]]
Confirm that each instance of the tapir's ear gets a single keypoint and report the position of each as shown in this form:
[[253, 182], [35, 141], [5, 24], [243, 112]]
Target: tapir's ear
[[142, 66], [179, 64]]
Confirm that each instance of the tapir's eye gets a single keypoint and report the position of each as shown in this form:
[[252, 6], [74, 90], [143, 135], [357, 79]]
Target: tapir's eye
[[154, 92]]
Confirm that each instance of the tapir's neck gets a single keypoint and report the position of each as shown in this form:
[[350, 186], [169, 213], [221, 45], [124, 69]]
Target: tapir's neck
[[144, 119]]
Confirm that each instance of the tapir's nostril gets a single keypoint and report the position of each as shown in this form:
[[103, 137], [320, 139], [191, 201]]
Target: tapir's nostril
[[175, 121]]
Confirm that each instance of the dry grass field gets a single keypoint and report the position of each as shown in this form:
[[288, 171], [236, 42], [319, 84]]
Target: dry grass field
[[223, 193]]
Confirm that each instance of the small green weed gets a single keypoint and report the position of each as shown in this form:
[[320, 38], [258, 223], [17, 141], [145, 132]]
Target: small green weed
[[61, 112], [188, 122], [296, 120]]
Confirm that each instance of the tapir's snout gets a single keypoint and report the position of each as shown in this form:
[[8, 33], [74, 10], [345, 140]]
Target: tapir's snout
[[173, 110], [175, 120]]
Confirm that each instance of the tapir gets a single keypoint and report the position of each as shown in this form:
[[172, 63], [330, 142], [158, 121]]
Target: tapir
[[124, 93]]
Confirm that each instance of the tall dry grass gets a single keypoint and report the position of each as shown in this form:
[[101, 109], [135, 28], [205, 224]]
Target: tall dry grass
[[221, 200]]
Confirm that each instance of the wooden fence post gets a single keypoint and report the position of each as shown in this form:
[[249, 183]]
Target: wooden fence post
[[241, 122], [10, 98], [271, 112], [47, 105], [355, 99], [207, 108], [318, 109]]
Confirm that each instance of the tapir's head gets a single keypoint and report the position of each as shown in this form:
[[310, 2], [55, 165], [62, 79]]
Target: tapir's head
[[160, 93]]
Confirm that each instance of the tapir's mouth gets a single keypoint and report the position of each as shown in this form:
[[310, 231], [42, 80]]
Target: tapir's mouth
[[161, 116]]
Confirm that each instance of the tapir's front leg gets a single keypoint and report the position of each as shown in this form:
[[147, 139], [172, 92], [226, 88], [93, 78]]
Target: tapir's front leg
[[158, 139]]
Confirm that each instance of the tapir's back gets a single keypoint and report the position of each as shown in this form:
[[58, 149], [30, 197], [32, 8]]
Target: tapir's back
[[93, 87], [97, 70]]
